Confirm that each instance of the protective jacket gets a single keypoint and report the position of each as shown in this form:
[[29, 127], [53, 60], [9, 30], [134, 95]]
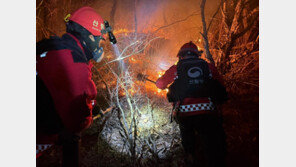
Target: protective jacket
[[65, 91], [191, 104]]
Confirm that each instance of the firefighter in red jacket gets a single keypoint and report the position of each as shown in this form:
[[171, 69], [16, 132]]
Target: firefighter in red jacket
[[195, 91], [66, 92]]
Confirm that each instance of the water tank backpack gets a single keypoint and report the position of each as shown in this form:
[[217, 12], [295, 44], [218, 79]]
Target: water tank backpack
[[194, 80], [193, 74]]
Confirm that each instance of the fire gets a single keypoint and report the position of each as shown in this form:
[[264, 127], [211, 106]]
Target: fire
[[151, 87], [132, 91], [160, 73], [133, 60], [121, 31]]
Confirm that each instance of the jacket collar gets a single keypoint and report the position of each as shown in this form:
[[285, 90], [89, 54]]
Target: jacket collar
[[77, 41]]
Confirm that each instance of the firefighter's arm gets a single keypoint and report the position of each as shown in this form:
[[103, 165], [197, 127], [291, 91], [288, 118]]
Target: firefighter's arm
[[219, 93], [79, 92], [82, 103], [168, 77], [215, 73]]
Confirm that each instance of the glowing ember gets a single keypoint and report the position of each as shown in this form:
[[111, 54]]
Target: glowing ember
[[158, 90], [120, 31]]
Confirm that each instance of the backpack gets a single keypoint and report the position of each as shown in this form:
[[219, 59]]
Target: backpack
[[194, 81], [193, 75]]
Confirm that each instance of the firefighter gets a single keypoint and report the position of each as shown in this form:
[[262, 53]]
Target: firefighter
[[195, 92], [66, 92]]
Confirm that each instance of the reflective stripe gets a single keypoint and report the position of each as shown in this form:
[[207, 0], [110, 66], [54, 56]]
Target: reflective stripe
[[197, 107], [43, 54], [42, 147]]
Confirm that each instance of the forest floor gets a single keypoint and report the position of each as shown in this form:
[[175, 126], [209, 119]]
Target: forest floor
[[241, 124]]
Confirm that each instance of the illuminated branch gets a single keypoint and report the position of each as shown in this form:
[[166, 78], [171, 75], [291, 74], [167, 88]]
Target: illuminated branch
[[130, 101], [39, 5], [133, 53], [234, 31]]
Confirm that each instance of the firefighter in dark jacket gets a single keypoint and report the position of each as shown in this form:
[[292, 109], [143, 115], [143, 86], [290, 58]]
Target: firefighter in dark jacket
[[195, 91], [66, 92]]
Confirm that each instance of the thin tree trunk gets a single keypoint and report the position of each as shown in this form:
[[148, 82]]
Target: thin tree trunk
[[112, 13], [205, 33], [135, 17]]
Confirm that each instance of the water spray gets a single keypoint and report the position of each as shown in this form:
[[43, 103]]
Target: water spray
[[108, 29]]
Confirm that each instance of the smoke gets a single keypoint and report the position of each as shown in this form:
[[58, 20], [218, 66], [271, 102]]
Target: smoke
[[154, 14]]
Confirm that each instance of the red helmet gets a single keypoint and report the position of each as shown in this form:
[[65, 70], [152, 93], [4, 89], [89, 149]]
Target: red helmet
[[189, 49], [88, 18]]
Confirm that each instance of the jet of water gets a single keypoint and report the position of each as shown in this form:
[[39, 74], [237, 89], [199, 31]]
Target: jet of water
[[118, 55]]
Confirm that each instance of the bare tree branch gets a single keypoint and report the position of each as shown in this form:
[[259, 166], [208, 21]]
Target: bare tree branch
[[112, 13], [176, 22], [135, 17], [217, 11]]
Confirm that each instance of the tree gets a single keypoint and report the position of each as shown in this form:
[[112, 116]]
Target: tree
[[205, 32]]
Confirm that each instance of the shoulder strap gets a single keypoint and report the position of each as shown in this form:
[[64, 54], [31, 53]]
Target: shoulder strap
[[78, 54], [53, 43]]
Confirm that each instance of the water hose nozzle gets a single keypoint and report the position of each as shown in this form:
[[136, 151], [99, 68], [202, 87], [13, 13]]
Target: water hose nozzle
[[108, 29]]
